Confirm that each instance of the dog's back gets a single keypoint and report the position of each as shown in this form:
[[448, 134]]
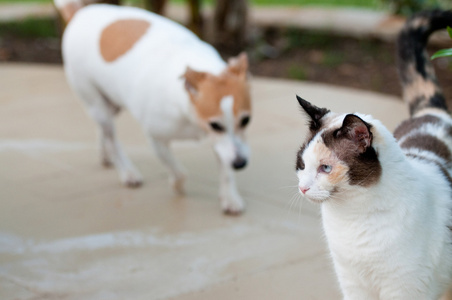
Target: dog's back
[[175, 85], [129, 54]]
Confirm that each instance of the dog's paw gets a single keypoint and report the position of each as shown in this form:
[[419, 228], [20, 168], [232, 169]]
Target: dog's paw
[[132, 179], [106, 162], [232, 204], [178, 183]]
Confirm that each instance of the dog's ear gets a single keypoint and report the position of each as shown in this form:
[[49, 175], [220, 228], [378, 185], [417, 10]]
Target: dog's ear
[[238, 64], [192, 80]]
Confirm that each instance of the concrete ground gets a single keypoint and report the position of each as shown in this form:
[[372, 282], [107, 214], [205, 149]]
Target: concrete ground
[[69, 230]]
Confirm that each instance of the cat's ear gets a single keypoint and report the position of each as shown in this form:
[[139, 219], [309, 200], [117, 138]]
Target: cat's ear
[[356, 130], [314, 112]]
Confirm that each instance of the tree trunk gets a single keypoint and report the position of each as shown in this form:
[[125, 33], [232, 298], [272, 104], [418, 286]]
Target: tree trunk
[[157, 6], [230, 24], [115, 2], [196, 21]]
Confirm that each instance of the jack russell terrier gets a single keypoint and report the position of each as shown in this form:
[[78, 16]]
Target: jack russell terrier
[[174, 84]]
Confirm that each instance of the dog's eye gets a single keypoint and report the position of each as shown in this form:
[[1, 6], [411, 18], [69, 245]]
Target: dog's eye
[[216, 126], [244, 121]]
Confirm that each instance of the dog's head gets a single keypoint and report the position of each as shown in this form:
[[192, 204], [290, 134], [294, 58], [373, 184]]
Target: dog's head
[[223, 107]]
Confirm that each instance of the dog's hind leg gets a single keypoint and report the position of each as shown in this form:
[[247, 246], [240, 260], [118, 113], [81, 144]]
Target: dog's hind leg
[[105, 156], [102, 111], [112, 151], [177, 177]]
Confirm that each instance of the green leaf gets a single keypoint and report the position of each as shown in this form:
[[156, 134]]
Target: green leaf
[[442, 53], [450, 31]]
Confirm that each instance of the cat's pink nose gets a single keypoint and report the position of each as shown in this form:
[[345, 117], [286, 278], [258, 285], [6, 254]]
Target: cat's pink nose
[[303, 190]]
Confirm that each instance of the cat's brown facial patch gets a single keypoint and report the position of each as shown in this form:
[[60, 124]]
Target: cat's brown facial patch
[[327, 157], [338, 174], [362, 161], [120, 36]]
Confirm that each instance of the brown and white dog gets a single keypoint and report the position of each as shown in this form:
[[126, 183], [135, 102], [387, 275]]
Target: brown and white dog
[[174, 84]]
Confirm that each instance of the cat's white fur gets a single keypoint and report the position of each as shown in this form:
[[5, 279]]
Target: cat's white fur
[[390, 240]]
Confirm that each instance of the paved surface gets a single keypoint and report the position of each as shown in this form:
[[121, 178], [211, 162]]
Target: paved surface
[[69, 230]]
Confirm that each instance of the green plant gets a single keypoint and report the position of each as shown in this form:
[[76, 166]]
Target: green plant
[[309, 39], [409, 7], [444, 52], [332, 59], [30, 28], [297, 72]]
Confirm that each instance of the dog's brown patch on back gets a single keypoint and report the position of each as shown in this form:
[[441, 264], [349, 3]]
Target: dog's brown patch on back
[[120, 36]]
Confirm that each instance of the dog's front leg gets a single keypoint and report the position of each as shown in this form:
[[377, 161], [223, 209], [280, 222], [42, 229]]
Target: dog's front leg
[[231, 201], [177, 177]]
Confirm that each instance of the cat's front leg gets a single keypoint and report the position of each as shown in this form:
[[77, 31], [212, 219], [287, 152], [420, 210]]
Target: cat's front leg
[[357, 293], [352, 287]]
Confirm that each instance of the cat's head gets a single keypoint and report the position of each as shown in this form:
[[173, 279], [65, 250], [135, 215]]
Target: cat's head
[[337, 154]]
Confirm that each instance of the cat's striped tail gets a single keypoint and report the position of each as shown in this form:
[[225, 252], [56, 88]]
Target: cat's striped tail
[[68, 8], [419, 83]]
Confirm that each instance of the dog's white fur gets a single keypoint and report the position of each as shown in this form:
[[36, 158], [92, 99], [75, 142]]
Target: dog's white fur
[[149, 81]]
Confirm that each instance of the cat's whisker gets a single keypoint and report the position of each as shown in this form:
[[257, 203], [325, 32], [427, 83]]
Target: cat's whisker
[[300, 205], [291, 202], [288, 187], [296, 197]]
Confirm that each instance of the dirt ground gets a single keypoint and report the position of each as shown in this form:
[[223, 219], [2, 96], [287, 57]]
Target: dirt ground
[[284, 53]]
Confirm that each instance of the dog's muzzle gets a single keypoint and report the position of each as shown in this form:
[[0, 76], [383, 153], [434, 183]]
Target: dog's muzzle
[[239, 163]]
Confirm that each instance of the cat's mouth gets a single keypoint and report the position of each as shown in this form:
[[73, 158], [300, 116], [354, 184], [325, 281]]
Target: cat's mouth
[[316, 197], [313, 200]]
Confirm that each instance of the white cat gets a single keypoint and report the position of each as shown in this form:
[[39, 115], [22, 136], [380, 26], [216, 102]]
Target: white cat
[[386, 200]]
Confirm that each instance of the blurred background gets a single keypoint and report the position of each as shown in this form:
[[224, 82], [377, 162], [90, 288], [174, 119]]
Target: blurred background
[[341, 42], [68, 228]]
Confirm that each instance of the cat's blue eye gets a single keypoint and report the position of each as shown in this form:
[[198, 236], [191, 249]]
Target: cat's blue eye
[[326, 168]]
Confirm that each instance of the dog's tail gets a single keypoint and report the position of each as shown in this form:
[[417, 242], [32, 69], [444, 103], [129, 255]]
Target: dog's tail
[[68, 8], [419, 83]]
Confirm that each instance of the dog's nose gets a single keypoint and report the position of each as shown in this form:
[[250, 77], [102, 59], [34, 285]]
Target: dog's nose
[[239, 163]]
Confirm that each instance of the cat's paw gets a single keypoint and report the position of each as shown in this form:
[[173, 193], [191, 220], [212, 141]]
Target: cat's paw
[[232, 203]]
